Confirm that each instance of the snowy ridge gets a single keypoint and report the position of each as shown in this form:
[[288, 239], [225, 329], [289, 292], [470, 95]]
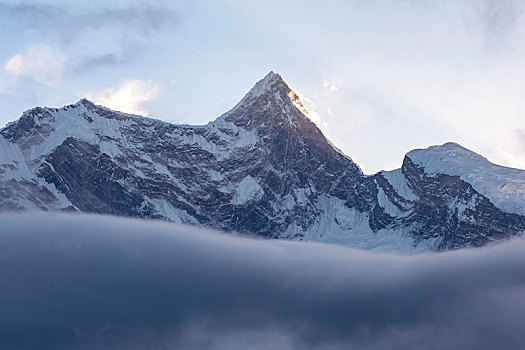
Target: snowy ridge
[[504, 187], [262, 86]]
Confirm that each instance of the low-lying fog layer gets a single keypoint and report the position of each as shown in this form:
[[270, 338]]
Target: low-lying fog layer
[[98, 282]]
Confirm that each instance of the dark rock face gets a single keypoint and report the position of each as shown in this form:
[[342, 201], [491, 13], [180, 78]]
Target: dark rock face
[[439, 211], [89, 179], [262, 168]]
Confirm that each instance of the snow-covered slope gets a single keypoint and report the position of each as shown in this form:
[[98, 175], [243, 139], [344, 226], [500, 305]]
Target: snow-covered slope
[[504, 187], [263, 168]]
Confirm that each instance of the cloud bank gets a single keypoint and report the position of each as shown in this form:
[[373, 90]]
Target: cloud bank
[[85, 282]]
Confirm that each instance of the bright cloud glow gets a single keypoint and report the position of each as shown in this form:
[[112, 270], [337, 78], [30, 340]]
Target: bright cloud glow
[[332, 88], [129, 96], [309, 112], [41, 63]]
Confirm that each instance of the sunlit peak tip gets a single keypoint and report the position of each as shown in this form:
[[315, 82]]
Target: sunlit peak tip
[[296, 101], [85, 101]]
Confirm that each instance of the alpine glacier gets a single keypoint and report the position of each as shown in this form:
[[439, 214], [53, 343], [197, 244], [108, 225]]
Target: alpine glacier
[[262, 168]]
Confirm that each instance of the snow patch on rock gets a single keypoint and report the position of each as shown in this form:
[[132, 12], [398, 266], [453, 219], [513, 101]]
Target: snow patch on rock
[[339, 224], [399, 183], [247, 190], [388, 206], [173, 214]]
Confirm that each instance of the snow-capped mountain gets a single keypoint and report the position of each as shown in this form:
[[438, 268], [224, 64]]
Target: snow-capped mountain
[[263, 168]]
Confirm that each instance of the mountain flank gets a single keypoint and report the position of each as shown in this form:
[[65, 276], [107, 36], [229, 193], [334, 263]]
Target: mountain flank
[[262, 168]]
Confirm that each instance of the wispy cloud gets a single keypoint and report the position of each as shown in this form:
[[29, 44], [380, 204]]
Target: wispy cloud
[[128, 96], [520, 136], [41, 63], [121, 31], [93, 61], [500, 19], [331, 87], [514, 153], [81, 282]]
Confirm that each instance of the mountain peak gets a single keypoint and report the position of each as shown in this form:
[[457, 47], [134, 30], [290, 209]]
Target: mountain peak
[[85, 102], [270, 97], [449, 152], [505, 187], [275, 89], [272, 82]]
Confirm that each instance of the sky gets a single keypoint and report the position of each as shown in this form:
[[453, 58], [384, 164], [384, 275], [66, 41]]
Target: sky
[[379, 77], [102, 282]]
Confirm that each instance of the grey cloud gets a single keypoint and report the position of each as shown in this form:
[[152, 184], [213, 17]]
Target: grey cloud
[[496, 20], [66, 20], [499, 19], [130, 29], [87, 63], [81, 282], [109, 59]]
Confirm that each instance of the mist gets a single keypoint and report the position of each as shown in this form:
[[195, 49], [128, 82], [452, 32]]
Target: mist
[[85, 282]]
